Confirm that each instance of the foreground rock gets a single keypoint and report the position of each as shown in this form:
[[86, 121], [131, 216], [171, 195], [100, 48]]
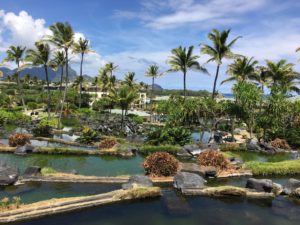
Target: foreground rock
[[23, 150], [192, 168], [264, 185], [184, 180], [55, 206], [8, 175], [138, 180], [32, 171], [291, 186]]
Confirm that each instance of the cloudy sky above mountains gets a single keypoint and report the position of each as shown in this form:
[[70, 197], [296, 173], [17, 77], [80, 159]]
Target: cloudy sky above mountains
[[136, 33]]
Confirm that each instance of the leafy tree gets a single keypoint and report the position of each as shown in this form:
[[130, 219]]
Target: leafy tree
[[130, 79], [182, 59], [219, 50], [153, 72]]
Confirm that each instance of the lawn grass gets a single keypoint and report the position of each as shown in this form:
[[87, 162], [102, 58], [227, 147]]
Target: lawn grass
[[48, 171], [288, 167]]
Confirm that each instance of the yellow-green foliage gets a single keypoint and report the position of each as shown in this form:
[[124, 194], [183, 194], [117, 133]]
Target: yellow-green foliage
[[274, 168], [48, 171], [232, 147]]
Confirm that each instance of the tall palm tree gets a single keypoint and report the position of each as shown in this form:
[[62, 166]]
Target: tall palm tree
[[82, 47], [153, 72], [103, 80], [109, 69], [283, 76], [241, 69], [41, 56], [182, 59], [220, 49], [63, 38], [58, 62], [96, 83], [15, 54]]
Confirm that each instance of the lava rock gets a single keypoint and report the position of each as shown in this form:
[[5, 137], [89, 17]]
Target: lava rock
[[23, 150], [290, 186], [192, 168], [209, 171], [138, 180], [32, 171], [253, 145], [8, 175], [260, 185], [184, 180]]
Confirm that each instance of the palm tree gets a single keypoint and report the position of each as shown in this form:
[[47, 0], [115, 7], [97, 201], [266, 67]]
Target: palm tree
[[220, 49], [110, 68], [153, 72], [63, 38], [15, 54], [96, 83], [283, 76], [41, 56], [184, 60], [103, 80], [130, 79], [123, 97], [58, 62], [82, 47], [241, 69]]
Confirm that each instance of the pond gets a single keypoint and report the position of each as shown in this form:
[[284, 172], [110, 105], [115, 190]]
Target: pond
[[37, 191], [175, 209], [85, 165], [247, 156]]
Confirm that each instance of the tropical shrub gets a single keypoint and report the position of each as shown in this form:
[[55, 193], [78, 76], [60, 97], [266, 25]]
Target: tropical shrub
[[136, 118], [232, 146], [169, 135], [12, 117], [107, 143], [44, 127], [32, 105], [18, 139], [161, 164], [88, 136], [280, 143], [213, 158], [6, 204]]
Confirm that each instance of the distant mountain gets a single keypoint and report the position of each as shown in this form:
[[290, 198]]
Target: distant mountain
[[158, 87], [40, 73]]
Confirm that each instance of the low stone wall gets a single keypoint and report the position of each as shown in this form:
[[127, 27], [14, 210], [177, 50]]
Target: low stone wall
[[55, 206], [228, 191]]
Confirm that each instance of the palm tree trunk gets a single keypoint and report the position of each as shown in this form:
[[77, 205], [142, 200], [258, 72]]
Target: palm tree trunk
[[65, 92], [215, 82], [48, 91], [152, 94], [184, 84], [80, 85], [20, 87], [262, 98]]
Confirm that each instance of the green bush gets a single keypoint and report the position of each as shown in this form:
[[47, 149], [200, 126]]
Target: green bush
[[169, 135], [136, 118], [32, 105], [88, 136], [44, 127], [12, 117], [148, 149]]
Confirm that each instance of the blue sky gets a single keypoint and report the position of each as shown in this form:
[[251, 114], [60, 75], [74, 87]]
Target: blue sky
[[136, 33]]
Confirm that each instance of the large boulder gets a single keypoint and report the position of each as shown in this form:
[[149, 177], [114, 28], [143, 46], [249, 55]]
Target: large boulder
[[192, 168], [260, 185], [184, 180], [8, 175], [138, 180], [291, 185], [209, 171], [192, 149], [253, 145]]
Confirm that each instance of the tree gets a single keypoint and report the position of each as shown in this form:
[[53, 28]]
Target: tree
[[58, 62], [63, 38], [15, 54], [37, 57], [123, 97], [130, 79], [283, 76], [241, 69], [182, 59], [81, 47], [220, 49], [109, 68], [247, 96], [153, 72]]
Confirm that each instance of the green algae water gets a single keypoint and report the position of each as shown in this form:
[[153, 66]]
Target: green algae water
[[84, 165], [39, 191], [175, 209]]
